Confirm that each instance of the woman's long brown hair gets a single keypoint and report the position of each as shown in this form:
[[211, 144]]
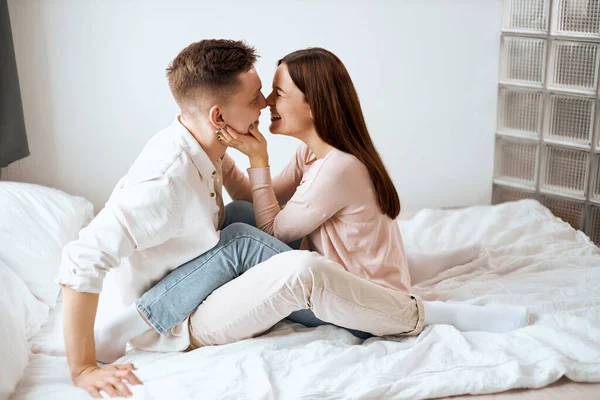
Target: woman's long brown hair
[[338, 116]]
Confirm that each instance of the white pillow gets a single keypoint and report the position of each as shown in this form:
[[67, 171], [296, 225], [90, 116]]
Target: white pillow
[[37, 222], [22, 316]]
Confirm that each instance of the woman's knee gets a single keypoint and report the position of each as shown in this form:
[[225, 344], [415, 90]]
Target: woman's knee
[[309, 267]]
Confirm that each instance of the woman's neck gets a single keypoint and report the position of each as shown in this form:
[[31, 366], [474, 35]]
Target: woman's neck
[[316, 145]]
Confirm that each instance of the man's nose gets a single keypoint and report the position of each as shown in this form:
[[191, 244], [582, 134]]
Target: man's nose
[[269, 100], [263, 101]]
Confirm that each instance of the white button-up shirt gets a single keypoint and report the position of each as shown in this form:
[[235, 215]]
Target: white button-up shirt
[[163, 213]]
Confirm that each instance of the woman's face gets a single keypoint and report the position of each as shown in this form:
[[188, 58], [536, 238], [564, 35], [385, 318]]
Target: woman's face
[[290, 114]]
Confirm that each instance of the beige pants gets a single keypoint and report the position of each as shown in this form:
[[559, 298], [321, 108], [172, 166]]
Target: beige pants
[[292, 281]]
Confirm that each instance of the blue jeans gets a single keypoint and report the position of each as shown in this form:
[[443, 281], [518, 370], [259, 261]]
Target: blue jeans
[[241, 246]]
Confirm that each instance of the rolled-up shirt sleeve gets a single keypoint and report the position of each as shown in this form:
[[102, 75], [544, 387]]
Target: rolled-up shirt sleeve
[[136, 217], [234, 180]]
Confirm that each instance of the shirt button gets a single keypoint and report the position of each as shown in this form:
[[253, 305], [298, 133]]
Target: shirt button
[[212, 195], [214, 173]]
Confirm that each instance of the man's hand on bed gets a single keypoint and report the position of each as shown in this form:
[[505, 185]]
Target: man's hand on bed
[[108, 379]]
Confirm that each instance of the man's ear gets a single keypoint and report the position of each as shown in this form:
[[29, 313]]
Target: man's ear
[[215, 117]]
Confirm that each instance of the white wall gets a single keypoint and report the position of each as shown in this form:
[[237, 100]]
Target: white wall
[[93, 86]]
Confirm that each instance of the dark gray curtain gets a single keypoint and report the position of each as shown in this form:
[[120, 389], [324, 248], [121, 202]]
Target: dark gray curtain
[[13, 140]]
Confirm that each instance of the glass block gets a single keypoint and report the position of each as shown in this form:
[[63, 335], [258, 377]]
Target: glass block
[[596, 189], [569, 211], [570, 119], [526, 15], [577, 17], [592, 228], [520, 111], [516, 161], [502, 194], [565, 171], [523, 60], [574, 66]]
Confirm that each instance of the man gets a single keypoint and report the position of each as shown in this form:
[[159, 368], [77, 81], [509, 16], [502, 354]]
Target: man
[[167, 209]]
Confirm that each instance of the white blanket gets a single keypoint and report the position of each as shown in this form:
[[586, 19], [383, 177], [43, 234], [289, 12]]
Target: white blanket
[[528, 257]]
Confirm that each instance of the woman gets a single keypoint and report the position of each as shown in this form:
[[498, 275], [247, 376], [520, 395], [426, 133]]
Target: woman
[[339, 199]]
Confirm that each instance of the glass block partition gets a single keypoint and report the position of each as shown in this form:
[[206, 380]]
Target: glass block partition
[[547, 140]]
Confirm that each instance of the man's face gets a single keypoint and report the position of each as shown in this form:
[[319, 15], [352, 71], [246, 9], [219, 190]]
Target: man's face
[[244, 106]]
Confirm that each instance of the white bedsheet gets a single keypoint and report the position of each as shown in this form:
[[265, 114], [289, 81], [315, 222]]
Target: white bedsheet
[[528, 257]]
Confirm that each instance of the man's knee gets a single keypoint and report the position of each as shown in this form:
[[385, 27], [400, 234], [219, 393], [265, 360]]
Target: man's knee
[[238, 229], [241, 211], [241, 230], [240, 205]]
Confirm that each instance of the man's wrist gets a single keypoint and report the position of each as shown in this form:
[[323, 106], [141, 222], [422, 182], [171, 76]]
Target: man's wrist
[[78, 370]]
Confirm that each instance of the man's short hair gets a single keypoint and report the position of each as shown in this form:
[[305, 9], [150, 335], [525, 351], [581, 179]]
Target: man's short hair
[[209, 69]]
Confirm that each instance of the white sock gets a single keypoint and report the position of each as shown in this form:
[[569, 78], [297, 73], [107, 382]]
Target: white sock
[[465, 317], [111, 338]]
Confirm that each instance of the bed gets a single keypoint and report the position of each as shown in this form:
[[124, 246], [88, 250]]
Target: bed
[[525, 256]]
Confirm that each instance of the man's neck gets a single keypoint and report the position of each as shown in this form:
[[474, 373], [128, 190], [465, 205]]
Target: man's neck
[[206, 138]]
